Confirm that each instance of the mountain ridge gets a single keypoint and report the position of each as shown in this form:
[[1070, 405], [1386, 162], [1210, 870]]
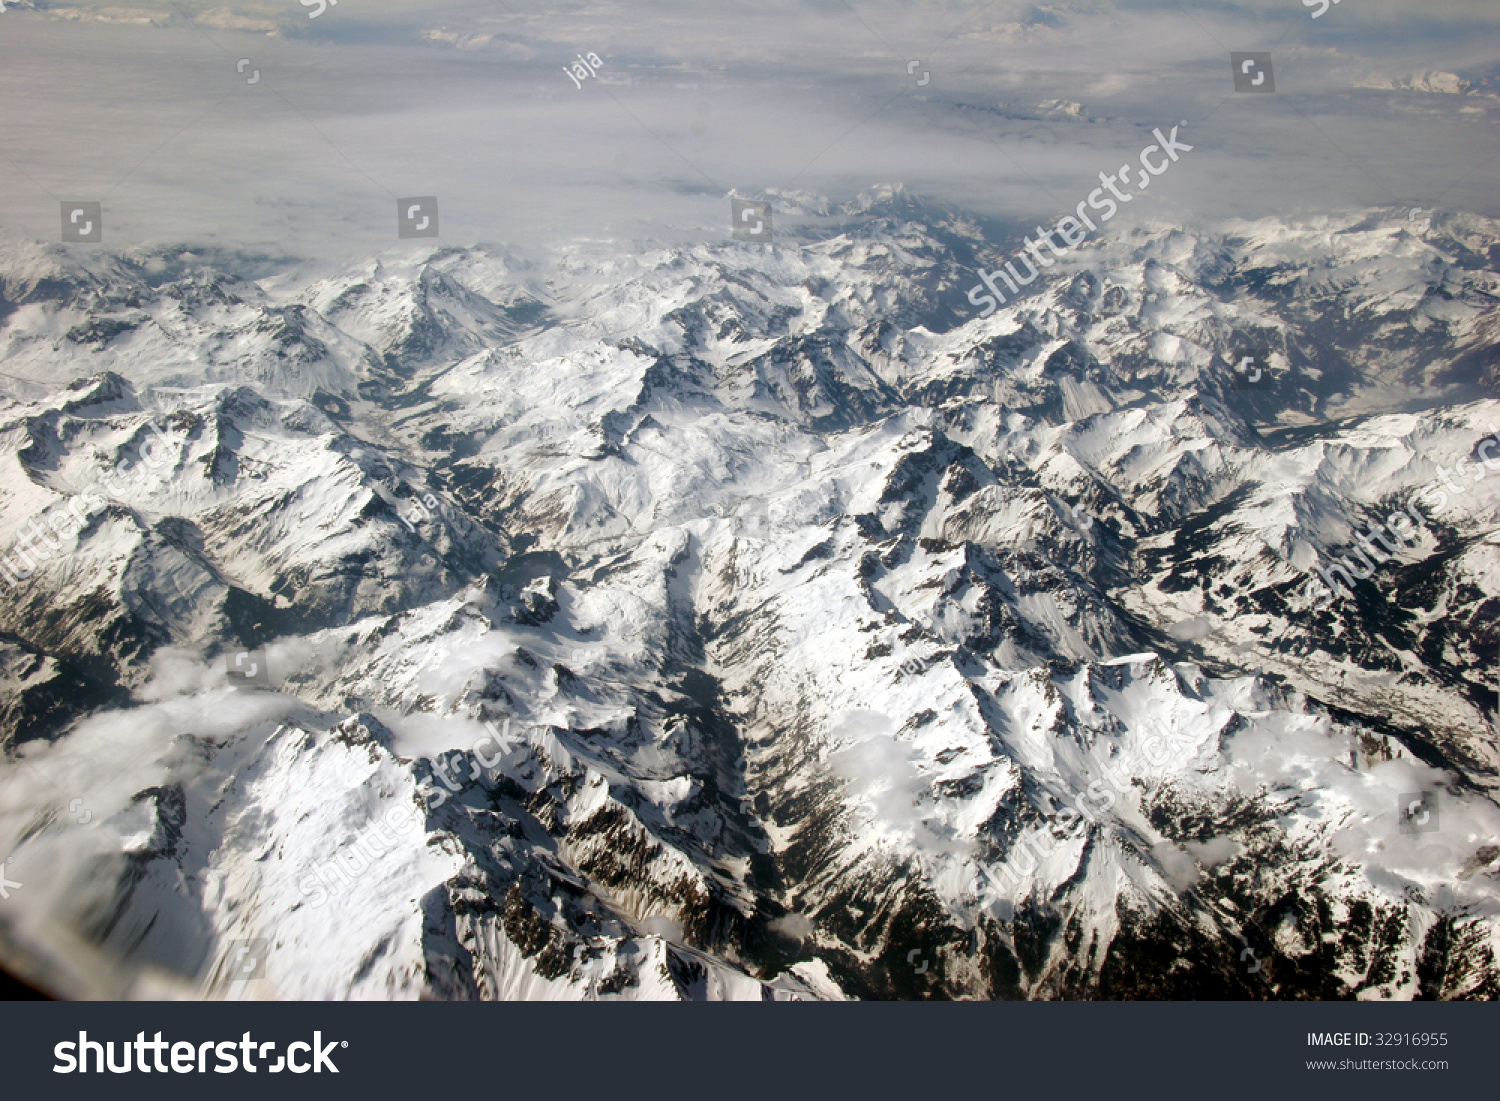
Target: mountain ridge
[[814, 595]]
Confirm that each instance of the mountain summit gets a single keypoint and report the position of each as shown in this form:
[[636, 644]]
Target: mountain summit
[[757, 621]]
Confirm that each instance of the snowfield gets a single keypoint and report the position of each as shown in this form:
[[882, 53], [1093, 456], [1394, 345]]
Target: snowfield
[[839, 627]]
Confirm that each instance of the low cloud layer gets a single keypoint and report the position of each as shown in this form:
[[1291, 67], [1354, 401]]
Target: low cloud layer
[[1008, 109]]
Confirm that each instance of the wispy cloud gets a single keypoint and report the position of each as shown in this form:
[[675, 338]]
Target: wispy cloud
[[142, 106]]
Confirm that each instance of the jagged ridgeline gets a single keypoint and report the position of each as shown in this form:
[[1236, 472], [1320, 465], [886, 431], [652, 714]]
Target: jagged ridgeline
[[745, 621]]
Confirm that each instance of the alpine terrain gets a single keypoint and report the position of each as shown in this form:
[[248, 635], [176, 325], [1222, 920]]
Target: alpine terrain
[[747, 621]]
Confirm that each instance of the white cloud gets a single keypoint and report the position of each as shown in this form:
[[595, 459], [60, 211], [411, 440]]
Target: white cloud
[[695, 99]]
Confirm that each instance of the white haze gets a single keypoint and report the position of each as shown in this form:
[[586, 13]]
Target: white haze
[[468, 101]]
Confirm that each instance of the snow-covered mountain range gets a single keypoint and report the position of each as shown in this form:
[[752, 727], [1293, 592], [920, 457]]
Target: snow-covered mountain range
[[756, 621]]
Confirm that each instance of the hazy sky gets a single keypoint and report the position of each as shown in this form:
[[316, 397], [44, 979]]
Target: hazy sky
[[140, 106]]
